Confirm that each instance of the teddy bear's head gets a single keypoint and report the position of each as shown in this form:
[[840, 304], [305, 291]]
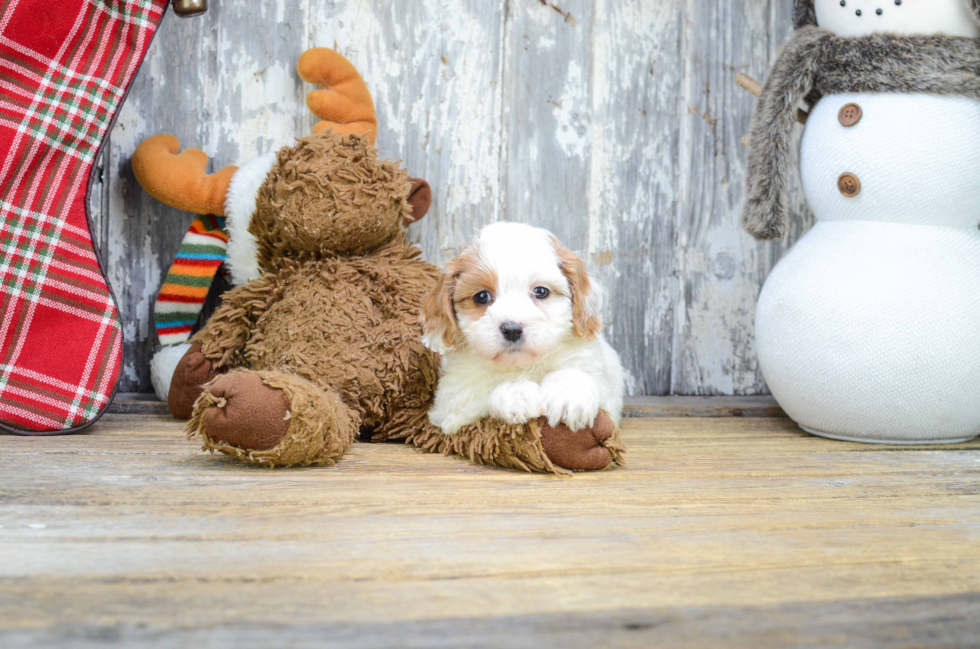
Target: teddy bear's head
[[331, 194], [328, 194]]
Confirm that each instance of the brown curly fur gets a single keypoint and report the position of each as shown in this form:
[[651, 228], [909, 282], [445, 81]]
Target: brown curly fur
[[339, 303], [328, 196], [344, 323], [334, 323], [493, 443], [321, 427]]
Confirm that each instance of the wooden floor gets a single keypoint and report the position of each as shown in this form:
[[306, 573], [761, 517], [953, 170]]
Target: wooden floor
[[721, 531]]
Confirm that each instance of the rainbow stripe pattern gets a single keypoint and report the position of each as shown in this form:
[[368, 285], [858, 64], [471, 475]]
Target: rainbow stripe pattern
[[182, 295]]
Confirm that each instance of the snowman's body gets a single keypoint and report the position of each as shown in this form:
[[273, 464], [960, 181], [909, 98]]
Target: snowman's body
[[869, 329]]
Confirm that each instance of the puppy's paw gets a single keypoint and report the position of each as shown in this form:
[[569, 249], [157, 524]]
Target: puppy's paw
[[570, 396], [516, 402]]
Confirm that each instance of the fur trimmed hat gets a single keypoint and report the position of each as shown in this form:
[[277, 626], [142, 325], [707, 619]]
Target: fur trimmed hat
[[804, 14]]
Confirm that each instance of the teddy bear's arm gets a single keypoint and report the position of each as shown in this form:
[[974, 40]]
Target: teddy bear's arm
[[226, 333]]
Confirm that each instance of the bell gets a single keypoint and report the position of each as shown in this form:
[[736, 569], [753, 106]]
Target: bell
[[188, 8]]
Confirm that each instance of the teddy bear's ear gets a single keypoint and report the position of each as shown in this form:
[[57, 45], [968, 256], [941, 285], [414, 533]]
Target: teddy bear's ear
[[420, 198]]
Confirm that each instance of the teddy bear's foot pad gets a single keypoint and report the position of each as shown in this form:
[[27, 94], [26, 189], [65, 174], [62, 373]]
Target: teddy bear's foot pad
[[589, 449], [247, 412], [273, 419], [192, 372]]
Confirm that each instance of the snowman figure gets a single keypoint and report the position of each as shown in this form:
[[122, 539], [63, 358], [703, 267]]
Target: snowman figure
[[869, 328]]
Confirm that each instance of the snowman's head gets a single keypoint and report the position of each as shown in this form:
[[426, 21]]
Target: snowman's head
[[904, 17]]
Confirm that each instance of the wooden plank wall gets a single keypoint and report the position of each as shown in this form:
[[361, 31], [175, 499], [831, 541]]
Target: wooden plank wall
[[614, 123]]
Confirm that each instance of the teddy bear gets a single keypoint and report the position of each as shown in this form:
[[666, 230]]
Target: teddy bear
[[320, 343]]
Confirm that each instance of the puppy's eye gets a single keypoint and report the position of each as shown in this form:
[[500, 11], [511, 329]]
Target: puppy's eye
[[541, 292], [482, 298]]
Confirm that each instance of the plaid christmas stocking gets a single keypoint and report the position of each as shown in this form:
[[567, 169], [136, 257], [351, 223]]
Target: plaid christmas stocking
[[65, 67]]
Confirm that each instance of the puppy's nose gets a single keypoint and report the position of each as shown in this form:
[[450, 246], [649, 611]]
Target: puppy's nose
[[512, 331]]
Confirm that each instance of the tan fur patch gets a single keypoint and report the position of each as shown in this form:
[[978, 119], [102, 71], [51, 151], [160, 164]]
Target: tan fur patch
[[438, 315], [463, 277], [586, 322], [475, 277]]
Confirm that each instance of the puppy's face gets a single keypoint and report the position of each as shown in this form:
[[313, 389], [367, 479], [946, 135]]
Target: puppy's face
[[512, 296]]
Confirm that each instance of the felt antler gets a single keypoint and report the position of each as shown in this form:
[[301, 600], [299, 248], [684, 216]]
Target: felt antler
[[180, 179], [343, 102]]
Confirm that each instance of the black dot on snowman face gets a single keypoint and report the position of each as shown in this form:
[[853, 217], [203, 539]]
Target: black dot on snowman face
[[880, 12]]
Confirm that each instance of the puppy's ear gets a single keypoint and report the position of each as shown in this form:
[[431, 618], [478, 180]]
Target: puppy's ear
[[586, 297], [440, 333]]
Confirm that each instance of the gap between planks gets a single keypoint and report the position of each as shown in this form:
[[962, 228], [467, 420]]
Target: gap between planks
[[131, 403]]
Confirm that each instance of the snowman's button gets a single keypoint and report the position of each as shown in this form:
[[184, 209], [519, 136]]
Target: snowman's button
[[850, 114], [849, 185]]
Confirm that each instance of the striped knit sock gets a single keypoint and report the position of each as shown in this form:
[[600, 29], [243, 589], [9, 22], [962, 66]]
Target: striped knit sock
[[183, 293]]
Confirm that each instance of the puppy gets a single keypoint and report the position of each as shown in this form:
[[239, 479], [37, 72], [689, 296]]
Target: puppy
[[517, 321]]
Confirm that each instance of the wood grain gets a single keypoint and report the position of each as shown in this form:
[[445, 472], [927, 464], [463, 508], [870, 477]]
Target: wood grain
[[719, 530], [674, 406], [135, 403], [614, 123], [926, 622]]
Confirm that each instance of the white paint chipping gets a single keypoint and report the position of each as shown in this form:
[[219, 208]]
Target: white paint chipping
[[571, 114], [582, 126]]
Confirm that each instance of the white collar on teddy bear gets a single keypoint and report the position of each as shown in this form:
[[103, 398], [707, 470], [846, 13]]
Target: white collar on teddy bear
[[242, 261]]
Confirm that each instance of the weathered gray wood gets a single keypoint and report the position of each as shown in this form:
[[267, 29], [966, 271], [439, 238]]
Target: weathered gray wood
[[633, 185], [434, 68], [945, 621], [721, 269], [547, 122], [719, 531], [141, 403], [674, 406], [217, 83], [614, 123]]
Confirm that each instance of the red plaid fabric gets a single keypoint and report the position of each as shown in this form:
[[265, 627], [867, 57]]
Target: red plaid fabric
[[65, 66]]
